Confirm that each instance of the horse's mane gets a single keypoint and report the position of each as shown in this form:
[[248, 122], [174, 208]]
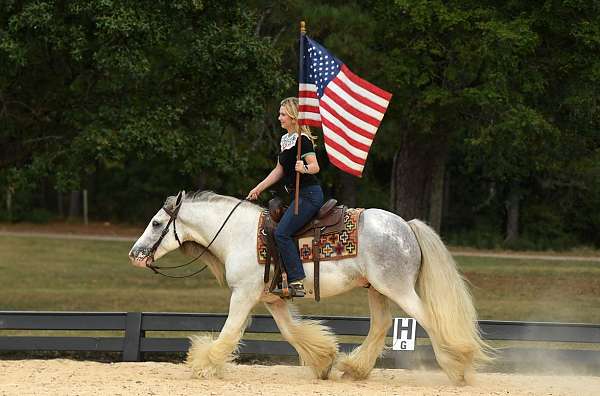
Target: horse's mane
[[201, 196], [208, 196]]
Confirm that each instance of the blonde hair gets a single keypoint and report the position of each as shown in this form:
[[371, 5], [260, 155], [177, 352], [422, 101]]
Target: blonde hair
[[291, 108]]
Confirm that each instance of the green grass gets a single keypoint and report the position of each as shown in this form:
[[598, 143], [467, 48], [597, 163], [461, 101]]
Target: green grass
[[534, 290], [76, 275]]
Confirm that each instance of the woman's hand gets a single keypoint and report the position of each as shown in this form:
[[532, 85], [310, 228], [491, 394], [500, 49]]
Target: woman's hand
[[254, 193], [300, 167]]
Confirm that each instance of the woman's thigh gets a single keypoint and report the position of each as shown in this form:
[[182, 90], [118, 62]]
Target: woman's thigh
[[290, 223]]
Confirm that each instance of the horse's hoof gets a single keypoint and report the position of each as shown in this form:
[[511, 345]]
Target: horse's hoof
[[204, 373], [201, 357], [325, 374], [461, 381]]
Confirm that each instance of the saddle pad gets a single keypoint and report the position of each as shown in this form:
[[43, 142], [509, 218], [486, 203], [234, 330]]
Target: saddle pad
[[334, 246]]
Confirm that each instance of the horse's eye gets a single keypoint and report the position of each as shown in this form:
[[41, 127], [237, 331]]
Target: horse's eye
[[155, 223]]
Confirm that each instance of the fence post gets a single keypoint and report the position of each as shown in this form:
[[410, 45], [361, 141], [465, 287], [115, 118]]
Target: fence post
[[133, 334], [9, 192], [85, 207]]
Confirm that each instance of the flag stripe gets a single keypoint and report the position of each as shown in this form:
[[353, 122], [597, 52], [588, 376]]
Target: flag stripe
[[369, 88], [358, 134], [358, 113], [362, 145], [307, 88], [308, 109], [307, 95], [348, 119], [343, 163], [309, 102], [312, 123], [312, 119], [330, 141], [378, 111]]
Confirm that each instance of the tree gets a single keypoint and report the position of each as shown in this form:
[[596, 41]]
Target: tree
[[86, 85], [529, 145]]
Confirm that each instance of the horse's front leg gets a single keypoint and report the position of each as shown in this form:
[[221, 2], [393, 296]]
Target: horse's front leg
[[316, 344], [207, 357]]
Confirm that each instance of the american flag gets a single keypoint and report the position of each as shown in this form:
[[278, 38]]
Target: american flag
[[348, 108]]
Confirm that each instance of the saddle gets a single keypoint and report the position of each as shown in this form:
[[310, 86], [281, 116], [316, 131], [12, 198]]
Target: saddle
[[329, 219]]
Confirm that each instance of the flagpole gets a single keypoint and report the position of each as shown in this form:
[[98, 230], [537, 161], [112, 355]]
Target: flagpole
[[299, 140]]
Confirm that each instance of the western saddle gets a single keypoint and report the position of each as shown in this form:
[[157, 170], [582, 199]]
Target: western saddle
[[329, 219]]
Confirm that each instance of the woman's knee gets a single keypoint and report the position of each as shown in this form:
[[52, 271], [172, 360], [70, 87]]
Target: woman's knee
[[281, 234]]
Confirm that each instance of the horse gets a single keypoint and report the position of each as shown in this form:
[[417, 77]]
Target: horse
[[399, 261]]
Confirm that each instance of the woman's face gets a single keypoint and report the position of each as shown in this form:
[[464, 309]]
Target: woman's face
[[287, 122]]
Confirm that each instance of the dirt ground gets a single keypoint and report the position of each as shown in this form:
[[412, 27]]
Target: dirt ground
[[69, 377]]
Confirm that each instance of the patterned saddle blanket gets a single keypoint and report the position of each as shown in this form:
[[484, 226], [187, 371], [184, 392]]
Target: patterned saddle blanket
[[333, 246]]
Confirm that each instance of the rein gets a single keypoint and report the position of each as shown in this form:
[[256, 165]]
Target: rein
[[173, 214]]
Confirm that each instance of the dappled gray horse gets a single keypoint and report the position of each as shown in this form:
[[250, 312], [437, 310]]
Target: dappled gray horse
[[405, 262]]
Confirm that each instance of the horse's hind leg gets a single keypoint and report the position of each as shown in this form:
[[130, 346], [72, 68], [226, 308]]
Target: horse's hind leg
[[315, 343], [412, 304], [207, 357], [359, 363]]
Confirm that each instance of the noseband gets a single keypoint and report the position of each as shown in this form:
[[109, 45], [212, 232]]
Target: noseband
[[173, 216]]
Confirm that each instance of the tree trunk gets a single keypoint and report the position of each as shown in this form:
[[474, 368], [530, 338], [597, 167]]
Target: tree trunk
[[512, 213], [436, 202], [9, 192], [200, 181], [74, 205], [410, 184], [446, 203], [59, 204], [412, 178], [347, 193]]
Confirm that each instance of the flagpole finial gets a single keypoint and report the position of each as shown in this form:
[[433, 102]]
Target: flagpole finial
[[302, 27]]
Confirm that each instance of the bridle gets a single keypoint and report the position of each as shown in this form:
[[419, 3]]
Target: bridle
[[173, 217]]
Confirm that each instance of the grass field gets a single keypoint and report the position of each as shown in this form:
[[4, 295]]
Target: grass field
[[75, 275]]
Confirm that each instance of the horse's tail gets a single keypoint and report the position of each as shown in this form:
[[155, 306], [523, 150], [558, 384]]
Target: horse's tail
[[449, 305]]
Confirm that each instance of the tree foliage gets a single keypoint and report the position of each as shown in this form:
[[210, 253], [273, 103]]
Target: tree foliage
[[492, 130], [101, 84]]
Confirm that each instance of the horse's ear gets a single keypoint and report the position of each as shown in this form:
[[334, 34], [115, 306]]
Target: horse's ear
[[180, 198]]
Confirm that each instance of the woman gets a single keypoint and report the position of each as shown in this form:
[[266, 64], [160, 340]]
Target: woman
[[310, 198]]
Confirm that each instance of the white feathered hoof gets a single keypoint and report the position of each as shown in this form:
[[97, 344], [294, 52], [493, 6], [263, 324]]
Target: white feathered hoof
[[352, 368], [322, 369], [207, 357], [316, 345]]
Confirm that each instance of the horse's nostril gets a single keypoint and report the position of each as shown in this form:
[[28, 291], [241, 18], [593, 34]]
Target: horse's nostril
[[138, 253]]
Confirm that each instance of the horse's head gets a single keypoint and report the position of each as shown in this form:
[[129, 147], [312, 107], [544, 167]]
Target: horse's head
[[161, 234]]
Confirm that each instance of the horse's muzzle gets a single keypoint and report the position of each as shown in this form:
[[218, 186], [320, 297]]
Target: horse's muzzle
[[140, 260]]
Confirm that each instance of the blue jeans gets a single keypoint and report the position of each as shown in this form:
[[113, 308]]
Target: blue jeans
[[310, 200]]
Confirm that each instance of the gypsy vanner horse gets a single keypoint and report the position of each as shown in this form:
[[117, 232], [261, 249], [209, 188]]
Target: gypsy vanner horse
[[405, 262]]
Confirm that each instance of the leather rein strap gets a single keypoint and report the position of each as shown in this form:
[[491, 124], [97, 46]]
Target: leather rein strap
[[173, 214]]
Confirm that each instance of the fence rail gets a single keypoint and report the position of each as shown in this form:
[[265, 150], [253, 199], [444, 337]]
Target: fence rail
[[134, 342]]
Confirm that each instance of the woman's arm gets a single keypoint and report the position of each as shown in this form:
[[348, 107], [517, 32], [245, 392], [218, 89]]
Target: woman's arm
[[312, 165], [273, 177]]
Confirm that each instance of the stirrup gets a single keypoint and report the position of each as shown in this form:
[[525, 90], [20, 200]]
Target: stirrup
[[295, 289]]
